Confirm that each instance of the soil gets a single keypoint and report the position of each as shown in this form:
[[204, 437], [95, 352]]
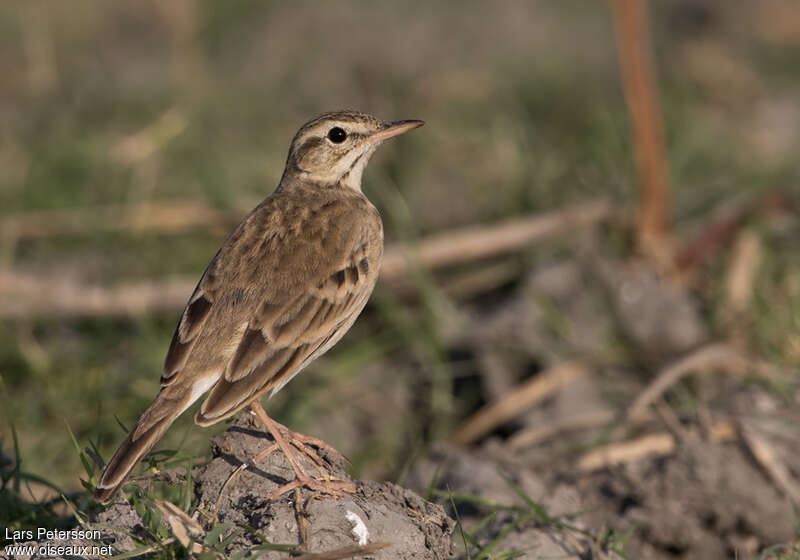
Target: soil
[[415, 528], [705, 501], [706, 496], [493, 474], [410, 527]]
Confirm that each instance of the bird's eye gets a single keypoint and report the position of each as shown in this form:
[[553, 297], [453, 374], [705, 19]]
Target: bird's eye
[[337, 135]]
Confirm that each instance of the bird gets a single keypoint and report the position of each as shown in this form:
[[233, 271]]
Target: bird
[[285, 286]]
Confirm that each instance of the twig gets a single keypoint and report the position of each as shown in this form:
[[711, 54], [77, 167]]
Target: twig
[[659, 444], [741, 274], [641, 94], [151, 217], [183, 527], [662, 443], [671, 420], [711, 356], [482, 280], [25, 295], [519, 400], [480, 242], [346, 552], [740, 282]]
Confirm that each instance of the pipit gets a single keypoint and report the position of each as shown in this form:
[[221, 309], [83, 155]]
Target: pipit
[[286, 285]]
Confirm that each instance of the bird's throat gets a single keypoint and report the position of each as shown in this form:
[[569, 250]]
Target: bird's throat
[[352, 179]]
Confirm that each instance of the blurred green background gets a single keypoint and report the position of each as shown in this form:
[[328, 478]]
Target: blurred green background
[[142, 105]]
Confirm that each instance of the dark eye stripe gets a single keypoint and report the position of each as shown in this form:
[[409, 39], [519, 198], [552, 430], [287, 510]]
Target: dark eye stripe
[[313, 142], [309, 144]]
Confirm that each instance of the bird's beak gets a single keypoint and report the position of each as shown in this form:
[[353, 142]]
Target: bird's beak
[[393, 129]]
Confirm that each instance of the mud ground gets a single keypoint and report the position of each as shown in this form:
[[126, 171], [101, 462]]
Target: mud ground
[[408, 526], [711, 472]]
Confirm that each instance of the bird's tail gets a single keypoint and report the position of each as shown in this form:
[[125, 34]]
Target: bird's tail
[[148, 430]]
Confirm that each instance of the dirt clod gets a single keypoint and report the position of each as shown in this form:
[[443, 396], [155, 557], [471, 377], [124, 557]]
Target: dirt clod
[[547, 530], [375, 513]]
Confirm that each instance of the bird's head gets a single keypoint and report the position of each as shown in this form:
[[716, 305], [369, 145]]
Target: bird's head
[[335, 147]]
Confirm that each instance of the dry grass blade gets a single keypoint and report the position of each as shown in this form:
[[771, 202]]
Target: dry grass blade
[[181, 525], [519, 400], [662, 443], [152, 138], [346, 552], [767, 459], [463, 284], [151, 217], [171, 217], [716, 355], [742, 272], [480, 242], [532, 436], [659, 444], [24, 295]]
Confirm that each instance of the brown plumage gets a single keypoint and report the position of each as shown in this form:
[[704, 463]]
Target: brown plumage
[[286, 285]]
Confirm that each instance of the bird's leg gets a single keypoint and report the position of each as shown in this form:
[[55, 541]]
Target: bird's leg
[[283, 436], [277, 434], [303, 445]]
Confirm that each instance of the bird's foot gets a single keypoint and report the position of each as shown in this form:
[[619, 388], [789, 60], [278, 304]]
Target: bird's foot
[[288, 441], [308, 446]]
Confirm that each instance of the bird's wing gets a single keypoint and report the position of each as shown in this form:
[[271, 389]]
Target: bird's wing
[[192, 323], [282, 337], [284, 288]]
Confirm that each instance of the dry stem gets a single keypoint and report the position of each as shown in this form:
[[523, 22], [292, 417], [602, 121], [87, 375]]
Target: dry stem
[[519, 400]]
